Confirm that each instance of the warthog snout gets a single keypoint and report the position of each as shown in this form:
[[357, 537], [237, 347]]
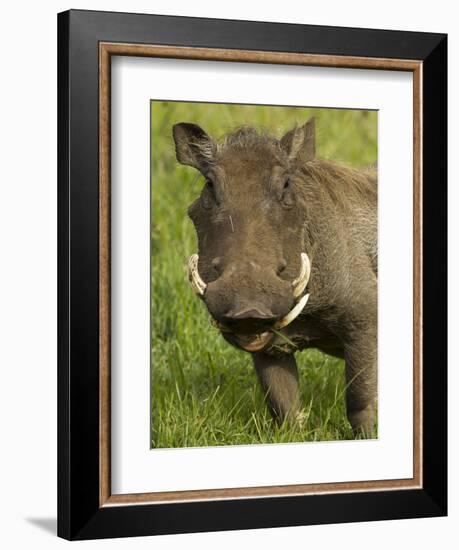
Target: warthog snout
[[247, 298]]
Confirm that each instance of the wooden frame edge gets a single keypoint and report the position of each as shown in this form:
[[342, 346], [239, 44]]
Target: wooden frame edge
[[417, 275], [104, 276], [257, 492], [106, 50], [257, 56]]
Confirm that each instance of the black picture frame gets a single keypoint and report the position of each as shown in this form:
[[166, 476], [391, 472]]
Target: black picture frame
[[80, 515]]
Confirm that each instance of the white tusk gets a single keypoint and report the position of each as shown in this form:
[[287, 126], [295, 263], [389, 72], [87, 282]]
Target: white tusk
[[198, 285], [301, 282], [292, 314]]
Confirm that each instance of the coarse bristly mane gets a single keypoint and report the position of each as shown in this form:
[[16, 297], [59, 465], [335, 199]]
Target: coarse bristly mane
[[342, 182], [338, 179], [247, 138]]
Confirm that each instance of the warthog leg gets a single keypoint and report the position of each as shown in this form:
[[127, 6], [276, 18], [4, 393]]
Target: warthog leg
[[279, 380], [361, 378], [360, 355]]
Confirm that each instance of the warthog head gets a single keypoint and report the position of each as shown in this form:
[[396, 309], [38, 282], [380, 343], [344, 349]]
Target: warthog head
[[251, 269]]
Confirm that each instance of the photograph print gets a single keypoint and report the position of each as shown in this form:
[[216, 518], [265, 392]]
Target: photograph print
[[264, 274]]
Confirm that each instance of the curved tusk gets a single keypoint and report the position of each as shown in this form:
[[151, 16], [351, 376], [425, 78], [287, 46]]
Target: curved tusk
[[198, 285], [292, 314], [301, 282]]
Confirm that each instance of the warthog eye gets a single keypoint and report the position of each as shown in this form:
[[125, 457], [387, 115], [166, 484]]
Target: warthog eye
[[287, 196], [208, 195]]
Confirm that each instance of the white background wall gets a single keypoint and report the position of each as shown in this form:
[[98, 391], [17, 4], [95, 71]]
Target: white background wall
[[28, 270]]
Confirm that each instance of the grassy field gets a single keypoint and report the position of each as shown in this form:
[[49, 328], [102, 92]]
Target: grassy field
[[204, 392]]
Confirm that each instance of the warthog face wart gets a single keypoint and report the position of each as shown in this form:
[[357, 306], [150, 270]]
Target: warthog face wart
[[251, 268]]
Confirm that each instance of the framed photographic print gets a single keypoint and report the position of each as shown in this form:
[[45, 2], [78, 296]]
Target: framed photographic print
[[252, 274]]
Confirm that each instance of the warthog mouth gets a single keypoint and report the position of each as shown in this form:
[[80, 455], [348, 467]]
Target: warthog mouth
[[256, 342], [250, 342]]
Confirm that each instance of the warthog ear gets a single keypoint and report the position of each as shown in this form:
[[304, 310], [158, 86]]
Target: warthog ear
[[193, 146], [300, 143]]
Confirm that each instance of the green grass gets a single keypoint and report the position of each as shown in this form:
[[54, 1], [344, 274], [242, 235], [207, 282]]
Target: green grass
[[205, 392]]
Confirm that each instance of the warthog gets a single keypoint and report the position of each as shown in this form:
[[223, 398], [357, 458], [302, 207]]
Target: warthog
[[287, 258]]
